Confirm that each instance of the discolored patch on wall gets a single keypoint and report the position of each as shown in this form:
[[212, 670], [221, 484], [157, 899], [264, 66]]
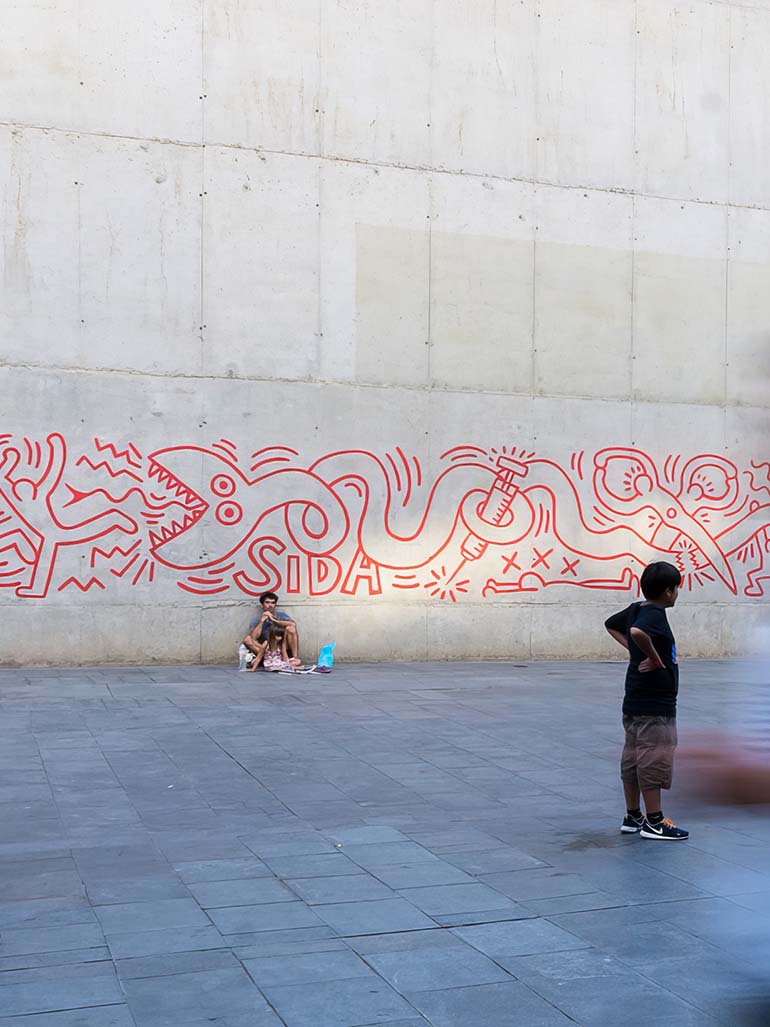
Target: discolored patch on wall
[[481, 312], [451, 310], [583, 321], [392, 290], [470, 311]]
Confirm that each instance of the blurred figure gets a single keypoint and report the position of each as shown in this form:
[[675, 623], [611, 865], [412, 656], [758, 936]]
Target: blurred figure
[[721, 768], [732, 767]]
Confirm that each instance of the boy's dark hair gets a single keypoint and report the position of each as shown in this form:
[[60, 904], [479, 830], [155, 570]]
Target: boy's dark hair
[[658, 578], [267, 595]]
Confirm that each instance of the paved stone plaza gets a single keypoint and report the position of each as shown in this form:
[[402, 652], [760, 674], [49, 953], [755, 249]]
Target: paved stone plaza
[[401, 844]]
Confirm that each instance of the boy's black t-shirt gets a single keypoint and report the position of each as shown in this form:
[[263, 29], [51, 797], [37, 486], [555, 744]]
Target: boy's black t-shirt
[[652, 693]]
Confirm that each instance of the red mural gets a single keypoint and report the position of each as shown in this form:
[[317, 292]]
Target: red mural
[[490, 522]]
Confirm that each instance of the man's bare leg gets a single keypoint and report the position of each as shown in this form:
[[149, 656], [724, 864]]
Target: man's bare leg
[[252, 645], [292, 641]]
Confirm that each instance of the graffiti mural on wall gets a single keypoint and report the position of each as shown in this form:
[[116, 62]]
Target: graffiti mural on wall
[[492, 522]]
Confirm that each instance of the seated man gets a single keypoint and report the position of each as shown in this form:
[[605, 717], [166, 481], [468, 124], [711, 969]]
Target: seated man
[[256, 640]]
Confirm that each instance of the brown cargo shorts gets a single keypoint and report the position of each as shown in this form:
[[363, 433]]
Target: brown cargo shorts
[[648, 755]]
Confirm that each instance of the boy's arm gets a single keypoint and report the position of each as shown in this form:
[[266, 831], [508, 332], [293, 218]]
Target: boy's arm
[[619, 637], [644, 642], [616, 625]]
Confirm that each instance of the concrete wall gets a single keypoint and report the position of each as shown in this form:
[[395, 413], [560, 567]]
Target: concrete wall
[[420, 236]]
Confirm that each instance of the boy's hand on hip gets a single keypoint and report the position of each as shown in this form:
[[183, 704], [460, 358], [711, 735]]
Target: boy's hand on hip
[[651, 664]]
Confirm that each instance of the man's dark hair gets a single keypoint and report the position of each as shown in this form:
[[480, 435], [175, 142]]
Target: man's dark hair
[[268, 595], [658, 578]]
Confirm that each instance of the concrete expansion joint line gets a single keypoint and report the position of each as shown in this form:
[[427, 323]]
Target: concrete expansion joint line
[[350, 383], [732, 3], [426, 168]]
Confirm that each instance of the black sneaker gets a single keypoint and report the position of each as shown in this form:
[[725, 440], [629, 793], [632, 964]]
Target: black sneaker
[[665, 829], [631, 825]]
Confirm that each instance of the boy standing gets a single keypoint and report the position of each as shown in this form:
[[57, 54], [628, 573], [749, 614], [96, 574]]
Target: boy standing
[[649, 706]]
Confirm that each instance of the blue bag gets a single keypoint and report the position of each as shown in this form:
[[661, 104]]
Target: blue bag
[[326, 656]]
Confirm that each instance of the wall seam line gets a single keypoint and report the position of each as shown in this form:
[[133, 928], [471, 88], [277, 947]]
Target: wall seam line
[[412, 168], [337, 382]]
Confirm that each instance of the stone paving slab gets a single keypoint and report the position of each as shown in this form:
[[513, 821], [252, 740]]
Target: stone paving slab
[[403, 845]]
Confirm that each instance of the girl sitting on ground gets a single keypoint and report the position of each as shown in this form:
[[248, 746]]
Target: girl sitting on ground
[[275, 656]]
